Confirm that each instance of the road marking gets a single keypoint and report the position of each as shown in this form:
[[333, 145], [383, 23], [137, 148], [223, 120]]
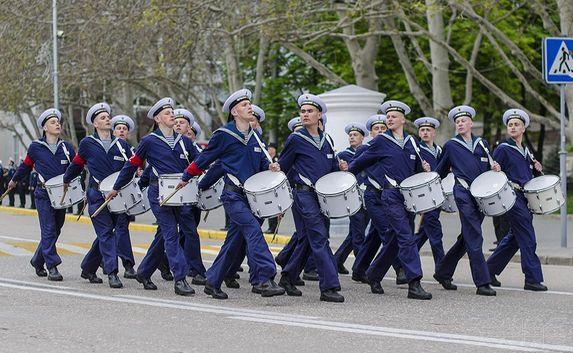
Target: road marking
[[301, 321], [14, 250]]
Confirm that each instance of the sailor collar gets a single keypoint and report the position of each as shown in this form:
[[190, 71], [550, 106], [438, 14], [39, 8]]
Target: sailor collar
[[308, 137], [158, 134], [96, 138], [43, 142], [232, 130], [475, 141], [390, 136], [435, 152]]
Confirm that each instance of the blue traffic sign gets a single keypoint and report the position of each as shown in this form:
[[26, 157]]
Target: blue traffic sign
[[558, 60]]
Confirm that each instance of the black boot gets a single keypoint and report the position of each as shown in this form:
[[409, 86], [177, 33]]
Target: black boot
[[147, 284], [129, 272], [40, 271], [310, 276], [376, 287], [495, 282], [341, 269], [232, 283], [114, 281], [183, 288], [332, 296], [166, 275], [271, 289], [299, 282], [199, 280], [536, 287], [415, 291], [401, 277], [92, 277], [54, 274], [290, 289], [216, 293], [485, 290], [446, 283], [359, 277]]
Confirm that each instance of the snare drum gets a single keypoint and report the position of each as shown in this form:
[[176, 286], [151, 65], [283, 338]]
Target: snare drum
[[185, 196], [449, 205], [544, 194], [210, 199], [269, 193], [126, 198], [142, 206], [55, 189], [493, 193], [338, 195], [422, 192]]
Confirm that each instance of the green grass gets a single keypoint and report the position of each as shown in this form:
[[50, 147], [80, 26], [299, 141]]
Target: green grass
[[569, 202]]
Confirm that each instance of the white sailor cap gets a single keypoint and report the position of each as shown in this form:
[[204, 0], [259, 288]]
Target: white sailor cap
[[324, 118], [185, 114], [95, 110], [294, 122], [259, 113], [123, 119], [47, 114], [236, 97], [395, 106], [375, 119], [516, 114], [313, 100], [196, 128], [161, 104], [461, 110], [355, 127], [427, 122]]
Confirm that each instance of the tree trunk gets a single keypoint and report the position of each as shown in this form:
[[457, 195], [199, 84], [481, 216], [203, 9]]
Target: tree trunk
[[260, 70], [233, 68]]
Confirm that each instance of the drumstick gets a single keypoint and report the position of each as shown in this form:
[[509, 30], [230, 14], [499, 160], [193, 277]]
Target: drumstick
[[83, 209], [206, 215], [64, 196], [530, 156], [103, 205], [4, 194], [277, 227], [170, 196]]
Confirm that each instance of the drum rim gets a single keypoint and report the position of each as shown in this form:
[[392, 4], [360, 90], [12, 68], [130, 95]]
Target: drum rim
[[340, 192], [280, 172], [51, 186], [506, 210], [530, 191], [437, 176], [247, 192], [497, 192]]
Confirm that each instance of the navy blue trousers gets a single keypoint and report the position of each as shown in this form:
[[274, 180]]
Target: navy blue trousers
[[355, 237], [123, 238], [191, 242], [51, 223], [431, 229], [521, 236]]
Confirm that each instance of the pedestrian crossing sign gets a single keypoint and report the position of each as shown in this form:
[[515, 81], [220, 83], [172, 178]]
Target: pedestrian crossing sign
[[558, 60]]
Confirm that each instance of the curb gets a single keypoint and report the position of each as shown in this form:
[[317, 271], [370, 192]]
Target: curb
[[142, 227]]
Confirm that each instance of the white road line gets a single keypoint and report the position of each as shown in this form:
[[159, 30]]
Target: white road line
[[72, 248], [20, 239], [14, 250], [277, 318], [139, 250]]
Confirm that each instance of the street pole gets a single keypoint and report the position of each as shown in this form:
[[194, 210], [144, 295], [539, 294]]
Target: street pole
[[55, 52], [562, 166]]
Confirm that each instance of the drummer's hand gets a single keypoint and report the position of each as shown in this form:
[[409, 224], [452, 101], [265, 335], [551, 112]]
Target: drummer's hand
[[139, 172], [496, 167], [426, 166], [343, 165], [111, 194], [182, 184], [275, 167], [538, 166], [12, 184]]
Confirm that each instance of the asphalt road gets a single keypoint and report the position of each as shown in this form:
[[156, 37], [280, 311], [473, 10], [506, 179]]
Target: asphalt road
[[74, 316]]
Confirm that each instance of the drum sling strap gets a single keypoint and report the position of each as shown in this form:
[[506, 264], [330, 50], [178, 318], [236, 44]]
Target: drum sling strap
[[121, 150]]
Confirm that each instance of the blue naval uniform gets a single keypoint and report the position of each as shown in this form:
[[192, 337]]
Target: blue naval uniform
[[431, 227], [308, 162], [467, 164], [518, 166], [240, 157], [124, 250], [48, 165], [358, 221], [101, 164], [390, 159], [163, 159]]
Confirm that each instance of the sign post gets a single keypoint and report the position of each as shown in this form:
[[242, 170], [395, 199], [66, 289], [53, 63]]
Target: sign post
[[558, 69]]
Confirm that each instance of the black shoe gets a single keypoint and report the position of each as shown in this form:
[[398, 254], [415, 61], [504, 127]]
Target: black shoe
[[240, 269], [216, 293], [331, 296], [299, 282], [536, 287], [183, 288], [256, 289], [54, 274], [485, 290], [232, 283], [376, 287], [271, 289], [310, 276], [280, 262], [114, 281], [236, 276], [495, 282], [341, 269], [359, 278], [446, 283], [147, 284], [40, 271], [415, 291], [290, 289], [199, 280], [92, 277], [166, 275], [129, 272], [401, 277]]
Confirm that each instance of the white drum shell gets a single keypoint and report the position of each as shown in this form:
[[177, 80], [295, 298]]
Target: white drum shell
[[210, 199], [268, 193], [493, 193], [185, 196], [338, 195], [129, 196], [422, 192], [544, 194], [142, 206], [55, 189], [449, 205]]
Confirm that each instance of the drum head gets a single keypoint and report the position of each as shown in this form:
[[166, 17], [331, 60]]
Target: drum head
[[418, 179], [448, 183], [488, 183], [108, 182], [541, 182], [263, 181], [57, 180], [335, 182]]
